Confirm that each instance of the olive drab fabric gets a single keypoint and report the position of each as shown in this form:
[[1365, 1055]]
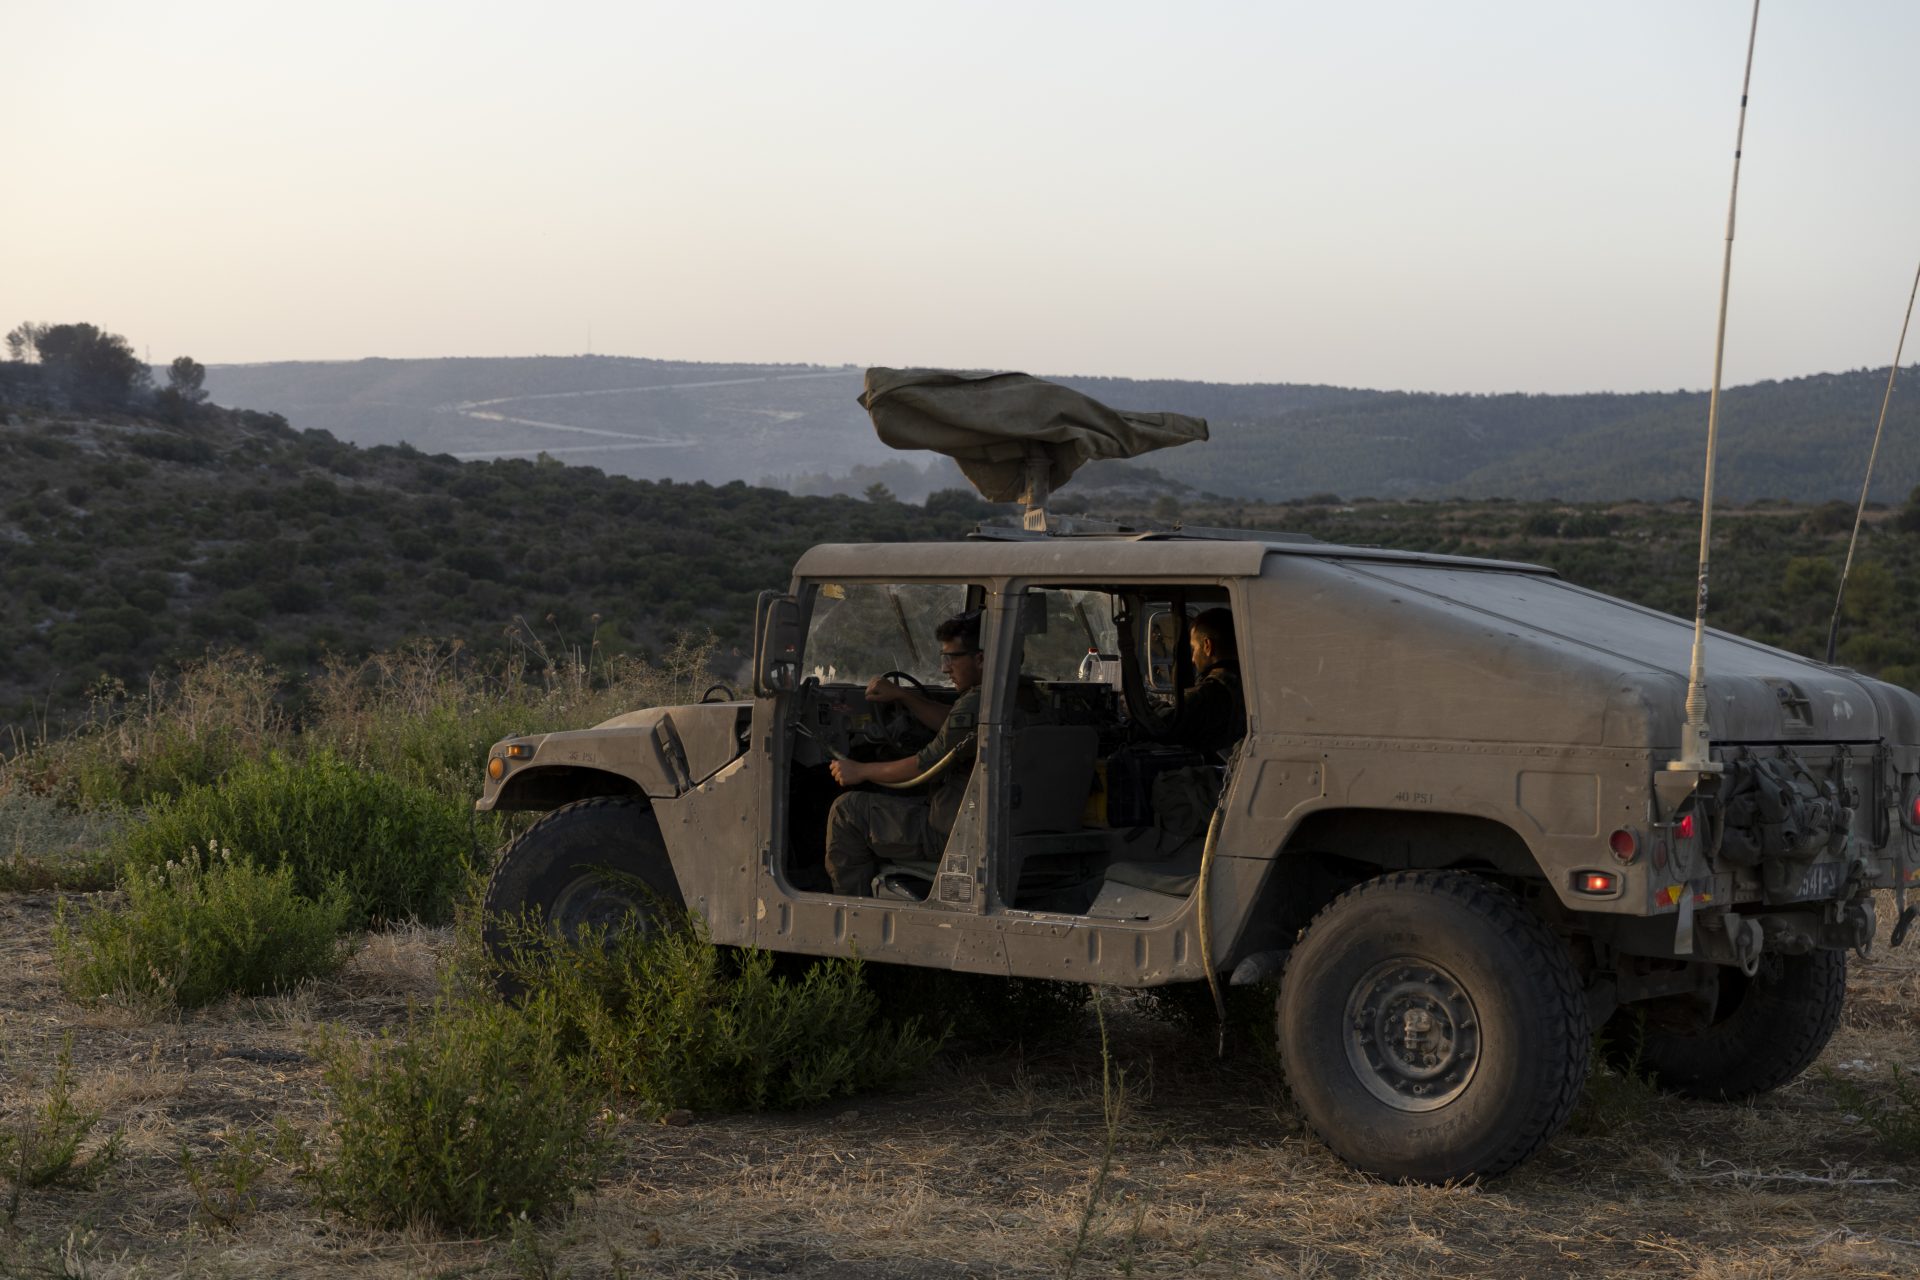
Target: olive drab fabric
[[1183, 804], [866, 828], [986, 422], [959, 734]]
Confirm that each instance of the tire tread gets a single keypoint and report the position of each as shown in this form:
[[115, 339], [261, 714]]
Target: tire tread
[[525, 845], [1796, 1020], [1566, 1009]]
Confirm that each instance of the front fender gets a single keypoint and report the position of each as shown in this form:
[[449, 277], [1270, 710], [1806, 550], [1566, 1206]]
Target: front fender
[[641, 753]]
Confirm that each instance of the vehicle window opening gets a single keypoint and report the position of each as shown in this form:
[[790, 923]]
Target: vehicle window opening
[[860, 636], [1107, 807]]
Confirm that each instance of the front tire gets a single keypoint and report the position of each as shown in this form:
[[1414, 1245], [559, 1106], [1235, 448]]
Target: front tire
[[595, 863], [1765, 1030], [1431, 1028]]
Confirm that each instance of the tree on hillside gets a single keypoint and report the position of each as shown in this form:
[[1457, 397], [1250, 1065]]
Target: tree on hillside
[[23, 342], [95, 368], [184, 391], [187, 377]]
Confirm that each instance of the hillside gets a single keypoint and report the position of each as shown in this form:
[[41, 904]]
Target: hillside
[[132, 543], [1804, 439]]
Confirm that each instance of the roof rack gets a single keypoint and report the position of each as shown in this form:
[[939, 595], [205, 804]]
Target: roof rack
[[1081, 527]]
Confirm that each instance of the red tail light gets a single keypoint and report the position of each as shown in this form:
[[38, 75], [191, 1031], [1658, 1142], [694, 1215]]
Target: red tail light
[[1623, 843], [1684, 828], [1597, 882]]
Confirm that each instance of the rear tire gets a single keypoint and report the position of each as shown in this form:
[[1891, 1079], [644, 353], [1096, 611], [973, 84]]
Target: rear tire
[[1766, 1030], [593, 863], [1431, 1028]]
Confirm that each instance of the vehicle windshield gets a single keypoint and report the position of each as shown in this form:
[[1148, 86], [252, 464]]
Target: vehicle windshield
[[860, 630]]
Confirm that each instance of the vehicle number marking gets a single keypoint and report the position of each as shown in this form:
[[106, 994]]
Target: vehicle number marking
[[1822, 880]]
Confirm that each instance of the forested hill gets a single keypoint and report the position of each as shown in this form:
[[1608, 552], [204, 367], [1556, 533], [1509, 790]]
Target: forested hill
[[1803, 439], [128, 543]]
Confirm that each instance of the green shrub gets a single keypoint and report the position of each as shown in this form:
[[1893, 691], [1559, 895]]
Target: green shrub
[[427, 712], [106, 770], [223, 1180], [41, 1148], [676, 1022], [181, 732], [444, 748], [421, 713], [191, 932], [399, 850], [469, 1119]]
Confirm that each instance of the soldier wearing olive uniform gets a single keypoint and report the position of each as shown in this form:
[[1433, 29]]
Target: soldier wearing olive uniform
[[866, 828]]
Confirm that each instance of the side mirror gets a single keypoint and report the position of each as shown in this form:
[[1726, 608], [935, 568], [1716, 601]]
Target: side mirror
[[776, 644]]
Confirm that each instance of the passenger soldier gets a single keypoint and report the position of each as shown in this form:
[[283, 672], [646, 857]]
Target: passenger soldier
[[1214, 715]]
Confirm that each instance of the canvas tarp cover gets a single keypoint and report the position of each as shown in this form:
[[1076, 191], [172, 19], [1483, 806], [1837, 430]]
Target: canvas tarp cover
[[987, 421]]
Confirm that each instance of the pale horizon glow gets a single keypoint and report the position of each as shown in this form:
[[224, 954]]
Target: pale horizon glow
[[1479, 196]]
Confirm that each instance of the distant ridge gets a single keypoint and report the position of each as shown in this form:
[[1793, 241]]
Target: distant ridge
[[1803, 439]]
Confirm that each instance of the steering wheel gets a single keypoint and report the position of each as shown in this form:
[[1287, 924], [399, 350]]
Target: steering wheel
[[708, 695], [891, 720]]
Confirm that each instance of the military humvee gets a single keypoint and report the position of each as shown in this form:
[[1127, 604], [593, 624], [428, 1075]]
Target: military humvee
[[1450, 832]]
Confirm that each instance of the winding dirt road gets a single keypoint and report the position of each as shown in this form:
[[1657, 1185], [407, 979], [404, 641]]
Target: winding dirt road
[[484, 411]]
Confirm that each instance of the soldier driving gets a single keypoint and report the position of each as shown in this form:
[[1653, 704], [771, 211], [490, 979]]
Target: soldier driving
[[865, 828]]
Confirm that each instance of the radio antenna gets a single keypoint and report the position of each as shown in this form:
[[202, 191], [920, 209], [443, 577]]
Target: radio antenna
[[1694, 755], [1833, 628]]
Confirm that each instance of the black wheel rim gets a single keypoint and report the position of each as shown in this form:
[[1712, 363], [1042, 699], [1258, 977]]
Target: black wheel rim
[[596, 901], [1412, 1035]]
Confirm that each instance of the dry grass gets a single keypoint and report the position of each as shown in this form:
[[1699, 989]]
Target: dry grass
[[981, 1169], [45, 845]]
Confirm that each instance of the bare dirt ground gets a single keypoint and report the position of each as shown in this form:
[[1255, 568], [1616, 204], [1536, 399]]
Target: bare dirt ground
[[981, 1168]]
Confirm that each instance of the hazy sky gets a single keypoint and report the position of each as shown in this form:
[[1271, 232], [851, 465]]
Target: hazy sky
[[1450, 196]]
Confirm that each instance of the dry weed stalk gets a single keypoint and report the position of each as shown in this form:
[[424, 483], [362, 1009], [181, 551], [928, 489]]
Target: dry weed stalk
[[226, 692], [1113, 1096]]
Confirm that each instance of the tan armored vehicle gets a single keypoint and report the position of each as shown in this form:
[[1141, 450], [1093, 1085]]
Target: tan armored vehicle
[[1450, 829]]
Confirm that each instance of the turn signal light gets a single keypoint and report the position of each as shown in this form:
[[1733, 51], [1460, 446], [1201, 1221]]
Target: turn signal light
[[1597, 882], [1684, 828], [497, 766]]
